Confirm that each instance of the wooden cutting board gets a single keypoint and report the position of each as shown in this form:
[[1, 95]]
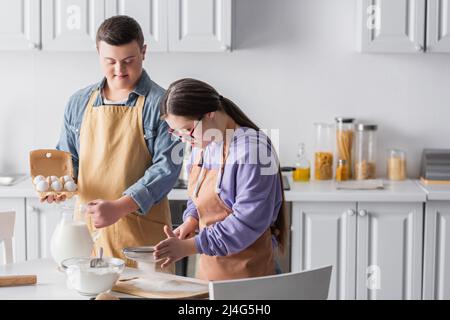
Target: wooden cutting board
[[431, 182], [164, 287]]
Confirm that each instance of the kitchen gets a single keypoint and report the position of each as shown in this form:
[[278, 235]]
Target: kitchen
[[288, 64]]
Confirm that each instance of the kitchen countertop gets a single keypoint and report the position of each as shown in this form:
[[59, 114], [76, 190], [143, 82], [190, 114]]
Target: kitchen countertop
[[436, 192], [395, 191], [51, 283]]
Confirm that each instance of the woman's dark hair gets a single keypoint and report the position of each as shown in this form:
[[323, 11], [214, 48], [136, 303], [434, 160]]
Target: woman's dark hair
[[119, 30], [192, 99]]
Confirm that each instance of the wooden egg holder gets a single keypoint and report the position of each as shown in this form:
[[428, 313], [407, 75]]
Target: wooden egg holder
[[49, 162]]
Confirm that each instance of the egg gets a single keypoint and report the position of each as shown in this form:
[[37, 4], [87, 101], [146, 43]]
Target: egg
[[67, 179], [70, 186], [56, 186], [38, 178], [54, 178], [42, 186]]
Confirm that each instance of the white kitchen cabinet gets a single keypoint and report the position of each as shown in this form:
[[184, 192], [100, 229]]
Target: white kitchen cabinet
[[325, 234], [20, 24], [41, 219], [438, 26], [396, 26], [375, 247], [200, 25], [152, 15], [389, 254], [71, 25], [437, 251], [19, 243]]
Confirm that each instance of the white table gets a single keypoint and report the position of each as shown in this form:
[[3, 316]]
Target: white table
[[51, 283]]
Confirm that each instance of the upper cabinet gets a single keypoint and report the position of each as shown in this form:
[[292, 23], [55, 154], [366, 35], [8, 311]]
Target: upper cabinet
[[19, 24], [152, 15], [438, 26], [391, 25], [71, 25], [200, 25], [403, 26]]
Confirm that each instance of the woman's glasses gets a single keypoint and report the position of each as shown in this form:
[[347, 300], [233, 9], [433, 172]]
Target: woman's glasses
[[183, 134]]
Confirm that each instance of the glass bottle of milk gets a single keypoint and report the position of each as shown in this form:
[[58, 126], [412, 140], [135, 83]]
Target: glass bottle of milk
[[71, 237]]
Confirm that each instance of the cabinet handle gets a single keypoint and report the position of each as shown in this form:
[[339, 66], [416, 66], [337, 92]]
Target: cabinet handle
[[419, 48], [351, 212], [362, 213], [32, 209], [33, 45]]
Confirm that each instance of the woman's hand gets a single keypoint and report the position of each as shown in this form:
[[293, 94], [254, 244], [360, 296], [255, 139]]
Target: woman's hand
[[105, 213], [186, 229], [173, 249]]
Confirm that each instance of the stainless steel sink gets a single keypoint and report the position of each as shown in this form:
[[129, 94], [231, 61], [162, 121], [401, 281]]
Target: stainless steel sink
[[11, 179]]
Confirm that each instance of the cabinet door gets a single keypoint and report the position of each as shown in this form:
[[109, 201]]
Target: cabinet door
[[19, 240], [20, 23], [438, 26], [325, 234], [71, 25], [391, 26], [42, 219], [389, 251], [437, 251], [200, 25], [151, 15]]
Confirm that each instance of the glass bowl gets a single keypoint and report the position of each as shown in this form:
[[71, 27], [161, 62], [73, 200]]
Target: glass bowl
[[90, 281]]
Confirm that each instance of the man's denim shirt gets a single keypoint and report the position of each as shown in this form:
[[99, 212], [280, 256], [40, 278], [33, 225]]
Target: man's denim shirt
[[161, 176]]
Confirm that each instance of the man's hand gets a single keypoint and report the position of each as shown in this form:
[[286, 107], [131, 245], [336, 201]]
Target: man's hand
[[51, 198], [187, 229], [173, 249], [105, 213]]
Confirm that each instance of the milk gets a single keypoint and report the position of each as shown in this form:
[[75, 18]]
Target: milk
[[70, 239]]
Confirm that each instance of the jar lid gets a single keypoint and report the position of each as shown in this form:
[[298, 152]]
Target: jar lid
[[344, 120], [342, 162], [366, 127]]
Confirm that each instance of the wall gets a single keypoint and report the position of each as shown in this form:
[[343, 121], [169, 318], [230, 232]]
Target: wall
[[295, 64]]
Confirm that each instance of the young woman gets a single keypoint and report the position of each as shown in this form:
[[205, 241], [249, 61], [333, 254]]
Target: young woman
[[236, 197]]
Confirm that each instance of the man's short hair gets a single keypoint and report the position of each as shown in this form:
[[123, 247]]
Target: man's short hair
[[120, 30]]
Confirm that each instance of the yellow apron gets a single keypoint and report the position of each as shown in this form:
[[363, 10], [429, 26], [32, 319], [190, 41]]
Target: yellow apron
[[113, 156]]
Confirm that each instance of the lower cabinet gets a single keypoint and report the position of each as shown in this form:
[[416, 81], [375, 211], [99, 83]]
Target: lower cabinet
[[436, 279], [375, 248]]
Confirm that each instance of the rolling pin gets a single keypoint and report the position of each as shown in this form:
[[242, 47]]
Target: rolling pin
[[17, 280]]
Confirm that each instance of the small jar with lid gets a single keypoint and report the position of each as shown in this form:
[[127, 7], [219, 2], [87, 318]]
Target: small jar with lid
[[396, 164], [365, 151], [323, 155], [342, 170], [345, 129]]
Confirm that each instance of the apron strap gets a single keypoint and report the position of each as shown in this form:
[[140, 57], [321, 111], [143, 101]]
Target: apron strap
[[92, 99]]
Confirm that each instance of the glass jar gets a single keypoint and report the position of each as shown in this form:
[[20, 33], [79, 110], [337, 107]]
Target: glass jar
[[396, 164], [323, 155], [342, 170], [302, 169], [345, 129], [365, 151], [71, 237]]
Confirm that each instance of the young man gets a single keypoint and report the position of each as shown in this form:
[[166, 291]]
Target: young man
[[120, 147]]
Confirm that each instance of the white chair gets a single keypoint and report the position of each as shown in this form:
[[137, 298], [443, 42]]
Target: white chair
[[7, 221], [306, 285]]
